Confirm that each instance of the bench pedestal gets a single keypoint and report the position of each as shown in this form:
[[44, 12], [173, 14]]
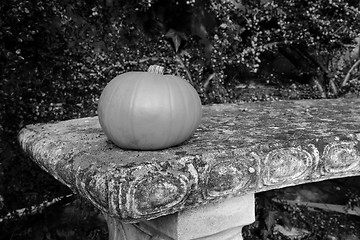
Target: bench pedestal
[[222, 220]]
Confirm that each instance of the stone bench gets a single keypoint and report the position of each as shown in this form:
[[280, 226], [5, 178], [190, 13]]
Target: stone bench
[[204, 188]]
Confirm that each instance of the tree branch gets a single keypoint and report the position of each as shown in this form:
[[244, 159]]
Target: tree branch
[[357, 63]]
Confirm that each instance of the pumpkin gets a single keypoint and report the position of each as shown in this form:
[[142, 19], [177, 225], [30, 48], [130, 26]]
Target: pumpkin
[[149, 110]]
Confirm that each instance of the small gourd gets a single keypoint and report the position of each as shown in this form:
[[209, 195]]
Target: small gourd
[[149, 110]]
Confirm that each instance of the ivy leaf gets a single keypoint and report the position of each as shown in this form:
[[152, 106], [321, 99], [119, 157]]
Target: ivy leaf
[[267, 223], [270, 219], [176, 38]]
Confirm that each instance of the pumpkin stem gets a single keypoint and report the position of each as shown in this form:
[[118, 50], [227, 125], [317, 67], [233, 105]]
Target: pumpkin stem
[[156, 69]]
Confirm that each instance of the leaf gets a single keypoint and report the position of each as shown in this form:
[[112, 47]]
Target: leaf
[[270, 219], [176, 37], [285, 219], [267, 223], [292, 233]]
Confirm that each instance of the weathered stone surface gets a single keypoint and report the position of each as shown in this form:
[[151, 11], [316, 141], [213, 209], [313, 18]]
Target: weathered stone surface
[[238, 149], [212, 221]]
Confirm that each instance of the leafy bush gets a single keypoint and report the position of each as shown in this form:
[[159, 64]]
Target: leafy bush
[[312, 35]]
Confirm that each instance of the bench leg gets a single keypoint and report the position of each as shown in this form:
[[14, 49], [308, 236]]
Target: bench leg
[[223, 220], [123, 231]]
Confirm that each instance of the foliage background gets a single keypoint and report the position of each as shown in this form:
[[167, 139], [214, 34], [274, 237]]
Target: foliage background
[[57, 56]]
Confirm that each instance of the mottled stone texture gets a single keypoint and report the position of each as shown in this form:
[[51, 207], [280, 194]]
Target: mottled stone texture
[[238, 149]]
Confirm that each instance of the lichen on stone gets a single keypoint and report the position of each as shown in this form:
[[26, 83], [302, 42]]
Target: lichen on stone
[[233, 152]]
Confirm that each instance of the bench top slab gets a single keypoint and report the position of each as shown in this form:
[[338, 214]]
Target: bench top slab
[[238, 149]]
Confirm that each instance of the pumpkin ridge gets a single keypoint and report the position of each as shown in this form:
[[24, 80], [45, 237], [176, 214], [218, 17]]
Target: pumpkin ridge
[[170, 95], [183, 97], [108, 110], [195, 119], [188, 111], [132, 110]]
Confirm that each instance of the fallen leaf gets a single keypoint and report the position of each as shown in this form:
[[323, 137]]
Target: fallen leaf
[[292, 233]]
